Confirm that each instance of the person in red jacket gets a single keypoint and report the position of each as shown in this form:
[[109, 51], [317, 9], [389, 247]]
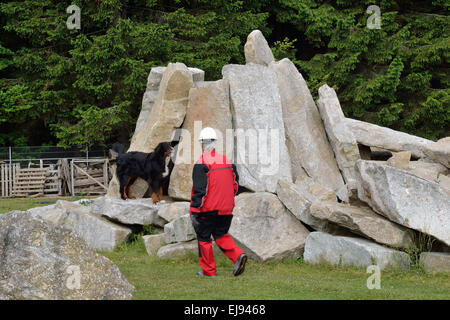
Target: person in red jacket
[[215, 183]]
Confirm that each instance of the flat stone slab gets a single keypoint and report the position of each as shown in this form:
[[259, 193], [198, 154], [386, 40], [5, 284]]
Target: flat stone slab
[[372, 135], [181, 249], [346, 251], [176, 250], [99, 233], [363, 221], [435, 261], [404, 198], [140, 211]]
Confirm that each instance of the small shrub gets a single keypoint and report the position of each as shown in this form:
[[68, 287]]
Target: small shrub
[[421, 243]]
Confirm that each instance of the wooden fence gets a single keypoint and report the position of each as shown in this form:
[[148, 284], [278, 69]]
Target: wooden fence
[[89, 177], [7, 176], [66, 177]]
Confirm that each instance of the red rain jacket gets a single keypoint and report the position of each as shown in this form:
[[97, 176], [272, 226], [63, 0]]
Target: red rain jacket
[[215, 183]]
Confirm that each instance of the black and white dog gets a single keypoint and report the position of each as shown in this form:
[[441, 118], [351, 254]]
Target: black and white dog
[[152, 167]]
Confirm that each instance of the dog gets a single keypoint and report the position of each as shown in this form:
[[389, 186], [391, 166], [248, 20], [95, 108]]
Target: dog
[[152, 167]]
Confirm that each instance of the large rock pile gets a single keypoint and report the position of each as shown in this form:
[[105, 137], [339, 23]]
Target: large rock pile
[[311, 185], [315, 188]]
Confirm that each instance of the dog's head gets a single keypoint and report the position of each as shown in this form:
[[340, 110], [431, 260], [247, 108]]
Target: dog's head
[[164, 149]]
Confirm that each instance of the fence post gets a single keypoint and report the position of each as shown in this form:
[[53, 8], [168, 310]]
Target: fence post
[[10, 155], [71, 177]]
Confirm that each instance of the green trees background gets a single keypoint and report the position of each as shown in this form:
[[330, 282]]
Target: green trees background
[[69, 87]]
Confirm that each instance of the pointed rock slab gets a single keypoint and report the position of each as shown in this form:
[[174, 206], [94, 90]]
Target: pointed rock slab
[[131, 211], [39, 261], [167, 115], [257, 49], [306, 138], [440, 151], [209, 106], [179, 230], [261, 153], [169, 109], [342, 140], [265, 229], [153, 81], [405, 198], [363, 221], [372, 135], [99, 233], [324, 248]]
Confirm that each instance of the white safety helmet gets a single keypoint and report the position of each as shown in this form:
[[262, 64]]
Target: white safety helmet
[[207, 133]]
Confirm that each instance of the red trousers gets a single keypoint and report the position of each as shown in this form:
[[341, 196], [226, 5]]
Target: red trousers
[[209, 224]]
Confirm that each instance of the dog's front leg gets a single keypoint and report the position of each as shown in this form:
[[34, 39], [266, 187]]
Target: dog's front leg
[[123, 180], [155, 198], [160, 193], [155, 189]]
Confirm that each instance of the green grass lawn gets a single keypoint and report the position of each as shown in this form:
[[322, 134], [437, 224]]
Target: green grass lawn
[[9, 204], [155, 278]]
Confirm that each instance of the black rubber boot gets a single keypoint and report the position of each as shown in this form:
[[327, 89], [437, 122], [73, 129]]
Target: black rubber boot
[[239, 266]]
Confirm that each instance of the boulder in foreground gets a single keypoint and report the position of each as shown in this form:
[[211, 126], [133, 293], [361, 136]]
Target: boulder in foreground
[[49, 263]]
